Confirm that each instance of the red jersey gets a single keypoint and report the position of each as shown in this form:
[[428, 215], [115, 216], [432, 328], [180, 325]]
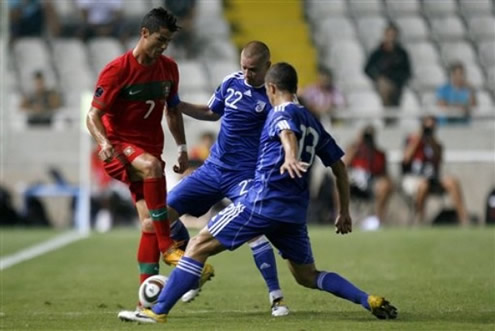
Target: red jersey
[[370, 160], [133, 96]]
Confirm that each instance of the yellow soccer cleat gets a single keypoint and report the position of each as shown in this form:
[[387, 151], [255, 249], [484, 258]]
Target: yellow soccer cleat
[[381, 308], [173, 255], [143, 316]]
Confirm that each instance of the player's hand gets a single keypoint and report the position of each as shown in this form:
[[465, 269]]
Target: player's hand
[[182, 163], [343, 224], [294, 168], [106, 152]]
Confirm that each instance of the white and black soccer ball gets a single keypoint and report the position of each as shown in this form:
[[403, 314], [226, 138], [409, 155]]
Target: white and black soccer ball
[[150, 290]]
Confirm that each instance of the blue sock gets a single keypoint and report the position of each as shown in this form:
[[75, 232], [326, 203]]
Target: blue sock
[[178, 232], [182, 279], [265, 261], [341, 287]]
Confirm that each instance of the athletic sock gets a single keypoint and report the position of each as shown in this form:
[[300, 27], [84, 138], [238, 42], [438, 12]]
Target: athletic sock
[[179, 233], [341, 287], [182, 279], [148, 256], [155, 197], [265, 261]]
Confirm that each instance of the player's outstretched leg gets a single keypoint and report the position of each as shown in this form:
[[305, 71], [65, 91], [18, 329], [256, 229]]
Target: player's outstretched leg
[[179, 233], [265, 261], [307, 275]]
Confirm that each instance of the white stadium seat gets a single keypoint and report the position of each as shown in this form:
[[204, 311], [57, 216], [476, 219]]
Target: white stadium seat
[[333, 29], [428, 77], [371, 29], [422, 53], [317, 9], [435, 8], [192, 76], [487, 53], [484, 100], [474, 75], [412, 28], [365, 7], [103, 50], [448, 28], [482, 28], [457, 51], [218, 70], [475, 7], [365, 102], [403, 7]]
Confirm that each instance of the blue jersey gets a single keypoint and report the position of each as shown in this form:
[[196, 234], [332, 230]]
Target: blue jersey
[[277, 196], [243, 109]]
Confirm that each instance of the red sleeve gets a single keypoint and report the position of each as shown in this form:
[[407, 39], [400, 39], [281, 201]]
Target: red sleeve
[[107, 87]]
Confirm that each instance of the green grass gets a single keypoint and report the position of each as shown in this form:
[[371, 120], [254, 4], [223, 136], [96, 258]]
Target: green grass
[[440, 279], [14, 239]]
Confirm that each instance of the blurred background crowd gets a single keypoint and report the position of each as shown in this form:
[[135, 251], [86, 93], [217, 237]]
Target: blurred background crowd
[[407, 87]]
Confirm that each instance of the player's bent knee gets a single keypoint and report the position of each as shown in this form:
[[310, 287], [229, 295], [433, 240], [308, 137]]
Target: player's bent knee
[[306, 278]]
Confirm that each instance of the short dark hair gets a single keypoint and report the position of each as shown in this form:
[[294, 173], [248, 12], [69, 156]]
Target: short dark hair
[[455, 65], [159, 18], [284, 76]]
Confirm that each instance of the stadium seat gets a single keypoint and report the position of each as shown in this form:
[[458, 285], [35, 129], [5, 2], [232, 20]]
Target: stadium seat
[[457, 51], [196, 97], [217, 71], [428, 77], [491, 79], [192, 76], [428, 99], [370, 31], [211, 29], [474, 76], [72, 65], [211, 8], [402, 8], [486, 51], [365, 7], [482, 28], [103, 50], [475, 7], [219, 49], [485, 102], [365, 102], [448, 28], [333, 29], [422, 52], [435, 8], [352, 78], [412, 28], [316, 9], [345, 53], [410, 109], [135, 9]]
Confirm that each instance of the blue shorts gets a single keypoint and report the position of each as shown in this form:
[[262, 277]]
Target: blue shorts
[[236, 224], [198, 192]]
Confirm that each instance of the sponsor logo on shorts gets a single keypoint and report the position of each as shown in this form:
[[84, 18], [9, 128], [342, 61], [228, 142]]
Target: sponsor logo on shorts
[[128, 151]]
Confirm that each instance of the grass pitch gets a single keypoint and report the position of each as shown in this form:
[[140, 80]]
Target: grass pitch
[[440, 279]]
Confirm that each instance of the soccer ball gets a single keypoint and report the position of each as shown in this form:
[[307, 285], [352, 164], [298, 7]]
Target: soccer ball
[[150, 290]]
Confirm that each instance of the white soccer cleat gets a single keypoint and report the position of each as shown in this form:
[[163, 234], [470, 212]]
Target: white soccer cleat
[[127, 315], [190, 295], [279, 308], [142, 316]]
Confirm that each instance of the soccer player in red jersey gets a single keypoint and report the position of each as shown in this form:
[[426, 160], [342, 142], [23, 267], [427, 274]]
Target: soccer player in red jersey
[[125, 120]]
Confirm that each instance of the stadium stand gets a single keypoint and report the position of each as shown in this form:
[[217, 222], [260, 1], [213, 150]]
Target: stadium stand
[[338, 34]]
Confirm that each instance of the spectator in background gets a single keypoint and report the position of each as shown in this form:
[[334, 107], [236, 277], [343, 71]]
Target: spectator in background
[[100, 18], [201, 151], [322, 98], [368, 175], [389, 67], [456, 98], [28, 18], [421, 169], [42, 104]]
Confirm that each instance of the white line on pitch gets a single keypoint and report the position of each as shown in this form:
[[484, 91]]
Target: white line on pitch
[[40, 249]]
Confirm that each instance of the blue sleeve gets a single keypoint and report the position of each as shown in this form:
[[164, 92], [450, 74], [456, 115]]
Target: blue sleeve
[[282, 120], [328, 151], [217, 100]]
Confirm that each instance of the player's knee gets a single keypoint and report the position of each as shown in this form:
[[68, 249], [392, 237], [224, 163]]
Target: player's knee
[[147, 225], [152, 168], [306, 279]]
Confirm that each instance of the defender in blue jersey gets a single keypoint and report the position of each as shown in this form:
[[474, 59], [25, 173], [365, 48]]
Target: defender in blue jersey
[[242, 104], [276, 205]]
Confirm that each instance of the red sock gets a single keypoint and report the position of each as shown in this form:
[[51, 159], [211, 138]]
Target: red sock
[[155, 195], [148, 256]]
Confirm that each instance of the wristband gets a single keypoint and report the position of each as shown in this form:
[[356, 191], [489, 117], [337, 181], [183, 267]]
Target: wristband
[[182, 148]]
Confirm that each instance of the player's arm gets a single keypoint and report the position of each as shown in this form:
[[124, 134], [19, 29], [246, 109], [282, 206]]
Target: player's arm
[[343, 223], [199, 112], [291, 164], [97, 130], [175, 124]]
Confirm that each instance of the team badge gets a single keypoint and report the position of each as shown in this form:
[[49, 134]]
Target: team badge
[[128, 150], [99, 92], [260, 105], [166, 86]]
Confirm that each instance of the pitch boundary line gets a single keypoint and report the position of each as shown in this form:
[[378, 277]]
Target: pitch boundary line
[[41, 248]]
